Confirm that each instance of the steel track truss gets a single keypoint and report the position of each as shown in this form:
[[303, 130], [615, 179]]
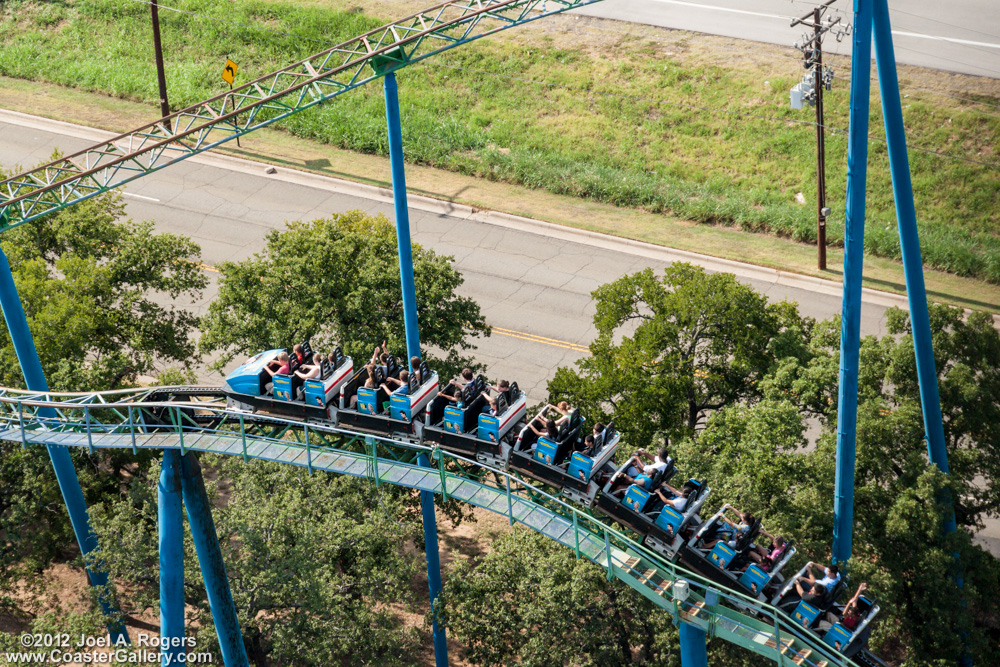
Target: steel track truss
[[305, 84], [116, 420]]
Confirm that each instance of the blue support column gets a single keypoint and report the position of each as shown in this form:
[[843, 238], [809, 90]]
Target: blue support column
[[433, 568], [402, 216], [909, 241], [171, 526], [62, 464], [694, 646], [213, 570], [854, 241], [412, 339]]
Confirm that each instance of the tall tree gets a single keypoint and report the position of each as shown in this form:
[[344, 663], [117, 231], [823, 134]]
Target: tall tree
[[671, 350], [92, 283], [336, 281], [899, 547], [316, 563], [92, 286], [531, 602]]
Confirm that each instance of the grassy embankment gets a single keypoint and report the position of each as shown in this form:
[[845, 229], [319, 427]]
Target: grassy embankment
[[580, 137]]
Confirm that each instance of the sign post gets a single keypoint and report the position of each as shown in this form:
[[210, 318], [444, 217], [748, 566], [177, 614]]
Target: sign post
[[229, 75]]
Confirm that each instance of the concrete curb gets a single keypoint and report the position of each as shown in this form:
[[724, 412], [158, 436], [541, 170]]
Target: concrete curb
[[495, 218]]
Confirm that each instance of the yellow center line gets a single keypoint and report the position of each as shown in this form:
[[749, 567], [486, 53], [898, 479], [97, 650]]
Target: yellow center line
[[541, 339], [533, 338]]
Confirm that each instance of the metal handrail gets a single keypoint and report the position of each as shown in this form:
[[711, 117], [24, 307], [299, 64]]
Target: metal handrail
[[581, 521]]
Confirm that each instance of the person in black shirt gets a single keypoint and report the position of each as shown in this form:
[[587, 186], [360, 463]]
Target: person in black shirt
[[814, 594]]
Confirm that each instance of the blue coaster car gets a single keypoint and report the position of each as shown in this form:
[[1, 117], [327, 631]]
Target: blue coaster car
[[366, 404], [824, 618], [721, 554], [787, 598], [547, 459], [850, 642], [662, 527], [573, 471], [466, 427], [247, 386]]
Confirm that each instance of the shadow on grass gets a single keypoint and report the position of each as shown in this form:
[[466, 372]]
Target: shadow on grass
[[900, 288]]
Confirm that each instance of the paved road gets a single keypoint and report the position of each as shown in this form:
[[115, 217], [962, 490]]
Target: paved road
[[532, 280], [957, 36], [535, 289]]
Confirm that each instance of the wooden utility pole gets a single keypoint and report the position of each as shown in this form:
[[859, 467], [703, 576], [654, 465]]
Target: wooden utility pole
[[820, 142], [812, 50], [158, 49]]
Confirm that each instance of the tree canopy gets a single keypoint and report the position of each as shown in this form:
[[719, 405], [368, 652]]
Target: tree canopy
[[531, 602], [671, 350], [737, 383], [758, 460], [336, 281], [91, 284], [315, 562]]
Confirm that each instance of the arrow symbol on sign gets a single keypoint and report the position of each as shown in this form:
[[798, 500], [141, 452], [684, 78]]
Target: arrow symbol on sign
[[229, 68]]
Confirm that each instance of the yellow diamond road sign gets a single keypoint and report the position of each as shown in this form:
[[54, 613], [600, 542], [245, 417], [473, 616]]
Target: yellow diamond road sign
[[229, 72]]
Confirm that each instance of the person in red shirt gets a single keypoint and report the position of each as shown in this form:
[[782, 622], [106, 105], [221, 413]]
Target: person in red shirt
[[852, 612]]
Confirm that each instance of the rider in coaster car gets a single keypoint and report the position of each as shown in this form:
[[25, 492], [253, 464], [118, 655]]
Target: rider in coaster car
[[679, 500], [598, 435], [733, 532], [491, 402], [563, 408], [550, 430], [768, 558], [453, 392], [297, 351], [311, 372], [639, 473], [392, 384], [851, 615], [415, 369], [277, 366], [380, 357], [812, 595], [831, 577], [369, 384]]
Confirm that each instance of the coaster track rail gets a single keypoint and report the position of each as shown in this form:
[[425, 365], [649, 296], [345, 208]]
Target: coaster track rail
[[129, 419]]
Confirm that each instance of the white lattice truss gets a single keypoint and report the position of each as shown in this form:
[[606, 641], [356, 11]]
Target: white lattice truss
[[305, 84]]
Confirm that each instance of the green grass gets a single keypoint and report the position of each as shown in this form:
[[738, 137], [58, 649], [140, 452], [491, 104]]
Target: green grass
[[581, 139]]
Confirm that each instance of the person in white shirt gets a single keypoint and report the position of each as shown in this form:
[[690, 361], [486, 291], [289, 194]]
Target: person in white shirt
[[679, 500], [308, 372], [831, 576], [641, 473], [655, 463], [731, 532]]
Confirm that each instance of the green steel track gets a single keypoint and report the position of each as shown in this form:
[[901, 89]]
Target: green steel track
[[141, 420]]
